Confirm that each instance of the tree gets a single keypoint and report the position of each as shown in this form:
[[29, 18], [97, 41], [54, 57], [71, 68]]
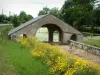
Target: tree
[[22, 17], [44, 11], [96, 19], [54, 11], [10, 18], [77, 12], [16, 21], [29, 17], [3, 18]]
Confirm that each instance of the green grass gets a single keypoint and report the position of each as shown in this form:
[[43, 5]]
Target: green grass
[[5, 66], [93, 42], [4, 31], [21, 59], [16, 60], [90, 34]]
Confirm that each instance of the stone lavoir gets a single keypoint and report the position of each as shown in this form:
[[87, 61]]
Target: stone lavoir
[[66, 32]]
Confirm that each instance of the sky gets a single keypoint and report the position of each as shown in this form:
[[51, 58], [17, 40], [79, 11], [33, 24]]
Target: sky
[[29, 6]]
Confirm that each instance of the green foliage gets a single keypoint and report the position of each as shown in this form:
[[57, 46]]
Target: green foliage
[[44, 11], [4, 31], [5, 65], [54, 11], [59, 62], [20, 59], [3, 19], [86, 34], [82, 13], [93, 30], [93, 42], [16, 20], [96, 17], [23, 17], [10, 19], [77, 12]]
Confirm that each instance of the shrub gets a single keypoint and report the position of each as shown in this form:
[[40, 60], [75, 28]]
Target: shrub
[[59, 62], [29, 42], [4, 31]]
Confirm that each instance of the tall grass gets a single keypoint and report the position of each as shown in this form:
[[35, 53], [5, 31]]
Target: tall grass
[[4, 31], [59, 62], [21, 59]]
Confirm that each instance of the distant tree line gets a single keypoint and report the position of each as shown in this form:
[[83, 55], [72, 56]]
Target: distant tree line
[[83, 15], [16, 20]]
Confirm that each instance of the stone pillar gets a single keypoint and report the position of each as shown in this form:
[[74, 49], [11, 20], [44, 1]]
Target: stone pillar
[[50, 35], [60, 36], [80, 38], [66, 37]]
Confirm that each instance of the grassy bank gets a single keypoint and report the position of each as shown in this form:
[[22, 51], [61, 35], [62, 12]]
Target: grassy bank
[[59, 62], [93, 42], [21, 60], [4, 31], [5, 67]]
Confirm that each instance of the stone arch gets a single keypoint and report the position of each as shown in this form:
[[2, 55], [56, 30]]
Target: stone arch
[[31, 27], [73, 37], [41, 34], [13, 37], [51, 28], [24, 35]]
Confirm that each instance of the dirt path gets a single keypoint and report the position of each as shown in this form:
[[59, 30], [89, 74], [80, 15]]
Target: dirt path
[[81, 53]]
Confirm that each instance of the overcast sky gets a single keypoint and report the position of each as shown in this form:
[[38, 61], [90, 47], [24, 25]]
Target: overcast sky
[[29, 6]]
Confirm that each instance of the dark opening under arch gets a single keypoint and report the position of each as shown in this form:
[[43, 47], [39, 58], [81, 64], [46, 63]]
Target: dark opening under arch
[[51, 30], [24, 36], [73, 37]]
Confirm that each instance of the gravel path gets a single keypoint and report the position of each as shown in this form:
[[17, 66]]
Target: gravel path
[[81, 53]]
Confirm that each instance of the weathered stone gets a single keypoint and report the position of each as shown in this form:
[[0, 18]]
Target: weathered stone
[[88, 48], [66, 32]]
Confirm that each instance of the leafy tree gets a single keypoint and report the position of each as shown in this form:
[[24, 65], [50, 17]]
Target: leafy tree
[[16, 21], [96, 16], [29, 17], [96, 19], [24, 17], [3, 18], [44, 11], [54, 11], [10, 18], [77, 12]]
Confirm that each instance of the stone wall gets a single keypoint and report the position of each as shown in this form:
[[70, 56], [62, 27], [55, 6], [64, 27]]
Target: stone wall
[[86, 47], [66, 31]]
